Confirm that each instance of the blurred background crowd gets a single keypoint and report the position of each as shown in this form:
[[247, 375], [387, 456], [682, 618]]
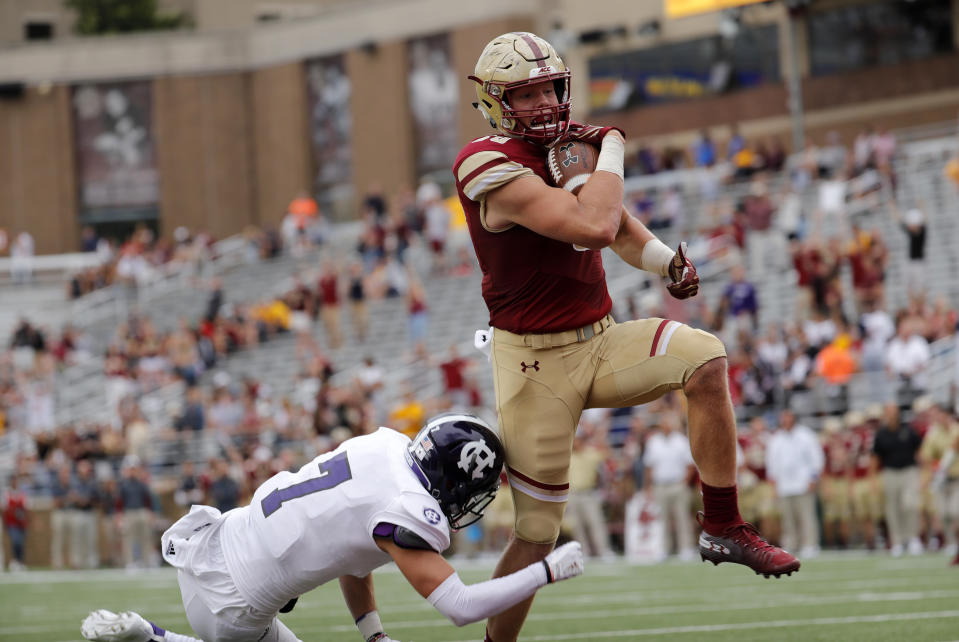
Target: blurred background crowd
[[813, 471], [302, 273]]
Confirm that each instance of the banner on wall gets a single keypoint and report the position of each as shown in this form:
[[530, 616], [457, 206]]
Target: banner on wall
[[684, 70], [115, 151], [434, 96], [331, 122]]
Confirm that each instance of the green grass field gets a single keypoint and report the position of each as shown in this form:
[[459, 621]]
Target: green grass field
[[835, 597]]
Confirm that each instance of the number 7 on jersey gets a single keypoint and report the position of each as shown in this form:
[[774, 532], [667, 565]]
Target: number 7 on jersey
[[333, 472]]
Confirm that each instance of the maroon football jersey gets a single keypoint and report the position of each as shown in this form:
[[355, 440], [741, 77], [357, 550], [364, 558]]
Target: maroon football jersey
[[838, 453], [860, 443], [754, 452], [531, 283]]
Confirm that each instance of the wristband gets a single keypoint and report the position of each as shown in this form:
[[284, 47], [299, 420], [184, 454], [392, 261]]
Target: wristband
[[611, 156], [549, 573], [656, 257], [370, 626]]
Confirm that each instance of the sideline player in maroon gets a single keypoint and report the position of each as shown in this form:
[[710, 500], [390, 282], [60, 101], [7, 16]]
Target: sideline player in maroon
[[555, 349]]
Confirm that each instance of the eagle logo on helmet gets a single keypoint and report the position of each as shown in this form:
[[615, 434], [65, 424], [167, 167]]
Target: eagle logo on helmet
[[514, 60]]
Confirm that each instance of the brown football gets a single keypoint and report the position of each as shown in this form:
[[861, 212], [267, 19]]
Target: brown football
[[571, 163]]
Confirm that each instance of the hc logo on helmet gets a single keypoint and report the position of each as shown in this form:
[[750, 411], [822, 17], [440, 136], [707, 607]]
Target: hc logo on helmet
[[478, 454]]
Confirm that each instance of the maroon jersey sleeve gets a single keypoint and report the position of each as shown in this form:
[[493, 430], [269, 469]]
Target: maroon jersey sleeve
[[493, 161]]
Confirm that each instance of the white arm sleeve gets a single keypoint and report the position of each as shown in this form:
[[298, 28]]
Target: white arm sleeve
[[464, 604]]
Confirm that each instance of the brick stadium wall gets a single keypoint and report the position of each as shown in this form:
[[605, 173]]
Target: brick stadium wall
[[282, 165], [233, 148], [203, 130], [465, 47], [383, 145], [38, 169], [907, 79]]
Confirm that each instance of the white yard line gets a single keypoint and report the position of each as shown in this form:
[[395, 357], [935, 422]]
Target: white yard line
[[592, 614], [775, 624]]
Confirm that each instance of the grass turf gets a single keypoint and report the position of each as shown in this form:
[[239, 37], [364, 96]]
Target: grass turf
[[835, 597]]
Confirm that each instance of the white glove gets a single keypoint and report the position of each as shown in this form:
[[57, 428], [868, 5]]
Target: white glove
[[565, 562], [483, 341]]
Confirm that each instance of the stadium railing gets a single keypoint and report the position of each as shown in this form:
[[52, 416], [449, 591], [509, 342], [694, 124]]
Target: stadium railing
[[112, 302]]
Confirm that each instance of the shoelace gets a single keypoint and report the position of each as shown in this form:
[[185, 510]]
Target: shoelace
[[748, 534]]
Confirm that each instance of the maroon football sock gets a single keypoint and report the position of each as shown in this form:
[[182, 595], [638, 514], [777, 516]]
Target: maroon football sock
[[487, 638], [721, 508]]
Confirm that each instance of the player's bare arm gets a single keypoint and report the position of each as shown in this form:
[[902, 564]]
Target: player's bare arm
[[358, 593], [631, 238], [554, 212], [590, 219], [424, 570], [639, 247]]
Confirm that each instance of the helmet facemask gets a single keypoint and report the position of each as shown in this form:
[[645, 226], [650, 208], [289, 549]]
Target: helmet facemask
[[472, 511], [557, 115]]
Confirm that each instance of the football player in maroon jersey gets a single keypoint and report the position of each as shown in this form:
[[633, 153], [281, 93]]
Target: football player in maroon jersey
[[555, 348]]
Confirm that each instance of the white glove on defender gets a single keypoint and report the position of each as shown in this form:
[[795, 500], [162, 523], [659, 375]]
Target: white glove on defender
[[565, 562]]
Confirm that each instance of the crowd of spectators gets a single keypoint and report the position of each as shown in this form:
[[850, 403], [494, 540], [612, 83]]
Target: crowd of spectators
[[144, 472]]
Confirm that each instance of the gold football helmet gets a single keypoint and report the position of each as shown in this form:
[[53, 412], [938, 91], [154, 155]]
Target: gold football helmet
[[514, 60]]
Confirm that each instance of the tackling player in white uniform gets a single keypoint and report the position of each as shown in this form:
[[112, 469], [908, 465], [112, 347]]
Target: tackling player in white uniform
[[376, 498]]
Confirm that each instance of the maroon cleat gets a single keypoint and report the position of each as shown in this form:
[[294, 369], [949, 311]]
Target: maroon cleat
[[742, 544]]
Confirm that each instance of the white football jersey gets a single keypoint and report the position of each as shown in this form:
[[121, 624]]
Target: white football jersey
[[306, 528]]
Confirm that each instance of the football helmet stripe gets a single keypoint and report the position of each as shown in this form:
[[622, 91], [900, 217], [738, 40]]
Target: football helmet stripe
[[537, 52], [455, 416]]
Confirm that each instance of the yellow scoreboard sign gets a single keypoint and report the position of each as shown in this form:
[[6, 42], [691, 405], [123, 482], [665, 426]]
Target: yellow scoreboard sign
[[684, 8]]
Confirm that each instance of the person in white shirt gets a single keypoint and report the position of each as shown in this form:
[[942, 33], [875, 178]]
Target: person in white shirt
[[389, 498], [437, 222], [794, 461], [668, 465], [21, 258], [877, 329], [908, 354]]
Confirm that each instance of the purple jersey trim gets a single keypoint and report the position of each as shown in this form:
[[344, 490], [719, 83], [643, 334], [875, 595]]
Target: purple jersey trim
[[384, 529]]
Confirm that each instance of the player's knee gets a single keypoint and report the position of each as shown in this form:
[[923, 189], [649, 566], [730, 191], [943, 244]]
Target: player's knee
[[539, 523], [708, 379], [536, 530]]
